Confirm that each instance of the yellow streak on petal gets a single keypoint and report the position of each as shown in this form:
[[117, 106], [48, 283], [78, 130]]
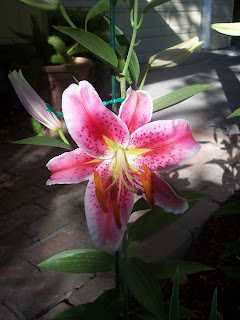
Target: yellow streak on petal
[[116, 214], [94, 160], [136, 151], [110, 143]]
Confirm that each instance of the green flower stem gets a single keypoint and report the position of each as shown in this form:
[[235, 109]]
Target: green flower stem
[[112, 39], [117, 269], [61, 134], [66, 17], [123, 87], [144, 76]]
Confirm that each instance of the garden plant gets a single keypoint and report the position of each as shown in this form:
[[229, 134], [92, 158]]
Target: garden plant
[[122, 154]]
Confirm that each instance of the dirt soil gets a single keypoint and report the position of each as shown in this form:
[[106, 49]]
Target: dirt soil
[[196, 290]]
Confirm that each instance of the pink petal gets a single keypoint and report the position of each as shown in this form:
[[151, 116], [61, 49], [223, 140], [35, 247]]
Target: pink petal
[[71, 167], [102, 226], [170, 143], [137, 109], [88, 121], [166, 198]]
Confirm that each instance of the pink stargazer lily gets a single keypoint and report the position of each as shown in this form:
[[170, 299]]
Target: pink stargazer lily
[[120, 156]]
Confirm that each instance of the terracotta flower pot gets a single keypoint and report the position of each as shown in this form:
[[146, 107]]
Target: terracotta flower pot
[[54, 80]]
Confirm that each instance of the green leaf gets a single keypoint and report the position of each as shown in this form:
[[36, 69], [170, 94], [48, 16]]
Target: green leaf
[[166, 269], [177, 96], [107, 306], [193, 196], [184, 313], [141, 204], [232, 272], [174, 303], [232, 249], [213, 314], [94, 44], [235, 113], [152, 4], [230, 208], [43, 4], [151, 223], [99, 7], [124, 45], [80, 261], [44, 141], [144, 286], [229, 29]]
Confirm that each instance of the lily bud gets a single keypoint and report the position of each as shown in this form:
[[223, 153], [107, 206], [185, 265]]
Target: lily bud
[[32, 102], [229, 29], [174, 55], [43, 4]]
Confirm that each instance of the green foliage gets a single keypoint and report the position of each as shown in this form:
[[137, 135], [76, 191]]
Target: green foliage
[[232, 249], [174, 304], [177, 96], [152, 4], [37, 127], [61, 56], [230, 208], [213, 314], [44, 141], [80, 261], [236, 113]]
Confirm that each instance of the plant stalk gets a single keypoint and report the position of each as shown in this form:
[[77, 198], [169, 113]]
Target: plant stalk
[[61, 134], [66, 17], [112, 42]]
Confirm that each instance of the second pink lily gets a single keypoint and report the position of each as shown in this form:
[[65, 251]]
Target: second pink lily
[[120, 156]]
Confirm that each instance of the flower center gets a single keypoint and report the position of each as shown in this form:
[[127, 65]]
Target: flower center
[[132, 179]]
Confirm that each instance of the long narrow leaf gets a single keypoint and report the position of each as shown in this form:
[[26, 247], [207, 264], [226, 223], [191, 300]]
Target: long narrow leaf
[[184, 313], [235, 113], [99, 7], [144, 286], [230, 208], [174, 304], [44, 141], [94, 44], [213, 314], [177, 96], [152, 4], [232, 249], [80, 261]]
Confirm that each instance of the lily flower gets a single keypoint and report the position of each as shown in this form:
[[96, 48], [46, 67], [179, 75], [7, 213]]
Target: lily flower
[[120, 156], [174, 55], [43, 4], [32, 102]]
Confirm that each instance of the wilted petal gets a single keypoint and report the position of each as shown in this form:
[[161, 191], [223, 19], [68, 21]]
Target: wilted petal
[[102, 226], [71, 167], [89, 121], [170, 143], [137, 109], [166, 198]]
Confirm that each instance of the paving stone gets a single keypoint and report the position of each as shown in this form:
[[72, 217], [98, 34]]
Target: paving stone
[[13, 243], [194, 220], [71, 238], [44, 292], [55, 220], [15, 275], [55, 311], [172, 242], [93, 289], [20, 217], [6, 314], [21, 197]]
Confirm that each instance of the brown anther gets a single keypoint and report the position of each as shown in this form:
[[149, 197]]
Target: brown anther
[[148, 186], [116, 214], [101, 199], [98, 181]]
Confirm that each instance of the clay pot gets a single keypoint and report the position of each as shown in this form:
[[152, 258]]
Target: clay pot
[[53, 80]]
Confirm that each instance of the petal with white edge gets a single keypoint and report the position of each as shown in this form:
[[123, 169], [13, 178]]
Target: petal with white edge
[[89, 121]]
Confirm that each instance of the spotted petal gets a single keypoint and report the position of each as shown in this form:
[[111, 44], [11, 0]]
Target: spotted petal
[[89, 121], [166, 198], [71, 167], [137, 109], [169, 142], [102, 226]]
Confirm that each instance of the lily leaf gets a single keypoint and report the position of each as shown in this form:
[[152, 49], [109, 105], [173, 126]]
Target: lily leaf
[[80, 261], [99, 7], [229, 29], [107, 306], [232, 272], [184, 313], [151, 223], [152, 4], [94, 44], [166, 269], [232, 249], [235, 113], [230, 208], [213, 314], [144, 286], [141, 204], [177, 96], [174, 303], [44, 141]]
